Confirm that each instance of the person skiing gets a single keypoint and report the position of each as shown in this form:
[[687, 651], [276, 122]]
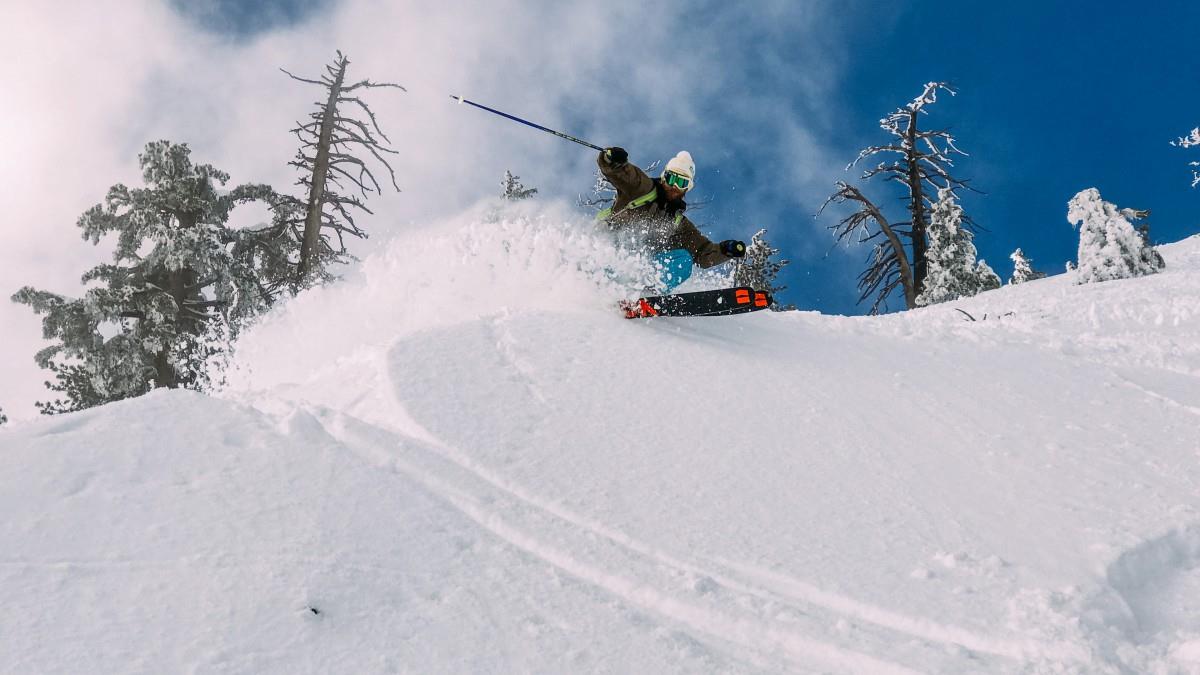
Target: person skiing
[[651, 209]]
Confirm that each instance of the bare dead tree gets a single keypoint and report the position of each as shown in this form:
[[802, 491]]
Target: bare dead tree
[[921, 163], [326, 158], [887, 265]]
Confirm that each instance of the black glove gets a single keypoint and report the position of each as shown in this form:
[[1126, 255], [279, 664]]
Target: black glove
[[616, 156], [732, 248]]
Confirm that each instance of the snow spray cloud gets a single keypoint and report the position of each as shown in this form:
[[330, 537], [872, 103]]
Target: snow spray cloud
[[491, 260]]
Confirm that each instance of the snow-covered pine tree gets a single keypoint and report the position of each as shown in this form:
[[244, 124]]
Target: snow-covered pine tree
[[513, 189], [273, 251], [1191, 140], [325, 159], [925, 158], [953, 270], [172, 298], [1109, 246], [1023, 269], [1143, 230], [758, 270]]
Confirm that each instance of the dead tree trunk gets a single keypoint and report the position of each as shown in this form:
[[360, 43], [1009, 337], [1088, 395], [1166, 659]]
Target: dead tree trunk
[[326, 161], [888, 263], [316, 195], [916, 207], [921, 160]]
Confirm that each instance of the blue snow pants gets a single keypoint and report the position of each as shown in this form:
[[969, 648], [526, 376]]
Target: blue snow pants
[[674, 267]]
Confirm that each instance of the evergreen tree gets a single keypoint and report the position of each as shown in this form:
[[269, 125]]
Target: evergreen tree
[[757, 270], [953, 270], [1023, 269], [1143, 230], [325, 160], [513, 189], [1191, 140], [171, 300], [1109, 246], [921, 158], [273, 252], [3, 418]]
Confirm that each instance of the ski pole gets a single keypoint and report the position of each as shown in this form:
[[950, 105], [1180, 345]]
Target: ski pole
[[527, 122]]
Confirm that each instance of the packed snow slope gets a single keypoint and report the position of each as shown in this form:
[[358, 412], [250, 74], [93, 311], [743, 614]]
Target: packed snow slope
[[462, 459]]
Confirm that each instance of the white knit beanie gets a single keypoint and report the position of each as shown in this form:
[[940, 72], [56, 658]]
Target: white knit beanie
[[682, 164]]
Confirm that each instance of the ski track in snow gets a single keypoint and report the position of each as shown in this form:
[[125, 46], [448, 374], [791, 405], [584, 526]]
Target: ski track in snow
[[1188, 386], [633, 572], [513, 514], [1128, 604]]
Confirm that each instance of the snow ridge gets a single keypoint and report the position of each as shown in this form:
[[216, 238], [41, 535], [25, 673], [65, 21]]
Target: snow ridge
[[492, 471]]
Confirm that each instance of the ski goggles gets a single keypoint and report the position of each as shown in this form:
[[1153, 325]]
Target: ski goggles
[[677, 180]]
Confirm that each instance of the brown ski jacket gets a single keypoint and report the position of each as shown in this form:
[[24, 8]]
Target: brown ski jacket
[[641, 206]]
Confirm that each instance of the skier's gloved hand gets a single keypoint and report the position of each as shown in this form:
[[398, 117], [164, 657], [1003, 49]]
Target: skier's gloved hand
[[732, 248], [616, 156]]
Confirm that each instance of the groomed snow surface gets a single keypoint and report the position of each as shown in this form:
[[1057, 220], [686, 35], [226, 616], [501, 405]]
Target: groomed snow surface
[[462, 459]]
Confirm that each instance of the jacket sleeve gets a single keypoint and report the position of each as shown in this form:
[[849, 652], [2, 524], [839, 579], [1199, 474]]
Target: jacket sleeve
[[704, 251], [629, 180]]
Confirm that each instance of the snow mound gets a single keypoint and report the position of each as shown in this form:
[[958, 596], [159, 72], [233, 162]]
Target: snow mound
[[462, 459]]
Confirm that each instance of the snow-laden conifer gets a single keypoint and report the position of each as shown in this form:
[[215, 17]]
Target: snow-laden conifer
[[954, 271], [513, 189], [1191, 140], [759, 268], [1109, 246], [1023, 269], [172, 298]]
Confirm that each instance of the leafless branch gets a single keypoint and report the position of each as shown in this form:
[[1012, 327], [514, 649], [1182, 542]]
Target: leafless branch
[[301, 78], [888, 265]]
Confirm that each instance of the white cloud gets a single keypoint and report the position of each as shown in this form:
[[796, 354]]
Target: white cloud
[[94, 81]]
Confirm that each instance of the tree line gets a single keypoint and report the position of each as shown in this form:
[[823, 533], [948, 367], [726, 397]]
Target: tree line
[[182, 283], [926, 254]]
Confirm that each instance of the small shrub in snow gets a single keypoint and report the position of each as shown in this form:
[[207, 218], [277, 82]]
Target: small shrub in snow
[[757, 270], [1023, 269], [953, 270], [1109, 246], [514, 190]]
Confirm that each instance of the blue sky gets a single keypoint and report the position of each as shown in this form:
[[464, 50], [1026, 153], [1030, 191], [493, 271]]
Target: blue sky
[[1053, 98], [247, 18]]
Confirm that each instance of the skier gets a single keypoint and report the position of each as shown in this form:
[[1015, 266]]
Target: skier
[[652, 210]]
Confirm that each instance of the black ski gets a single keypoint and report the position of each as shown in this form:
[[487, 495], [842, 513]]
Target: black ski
[[721, 302]]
